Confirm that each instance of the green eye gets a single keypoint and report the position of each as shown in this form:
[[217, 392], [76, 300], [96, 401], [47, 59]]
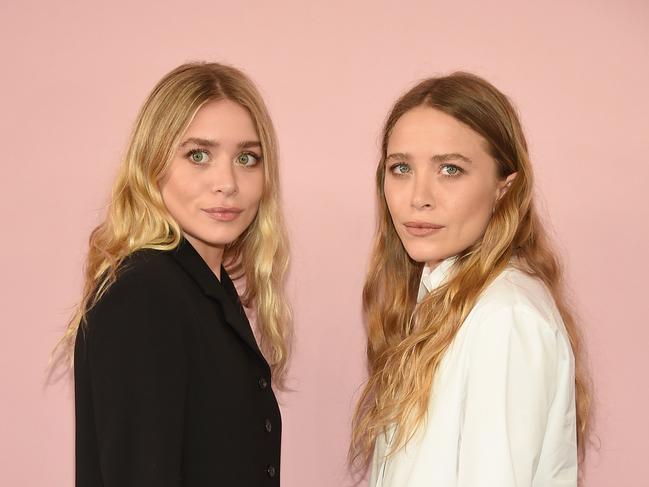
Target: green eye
[[247, 159], [199, 156], [400, 169], [450, 170]]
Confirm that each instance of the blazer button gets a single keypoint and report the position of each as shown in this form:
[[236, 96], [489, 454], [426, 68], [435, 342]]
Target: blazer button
[[263, 383], [270, 471], [269, 425]]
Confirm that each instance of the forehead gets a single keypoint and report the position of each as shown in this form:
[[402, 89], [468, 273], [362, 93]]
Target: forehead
[[222, 119], [427, 128]]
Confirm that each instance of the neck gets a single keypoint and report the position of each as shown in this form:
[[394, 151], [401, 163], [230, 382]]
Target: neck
[[211, 254]]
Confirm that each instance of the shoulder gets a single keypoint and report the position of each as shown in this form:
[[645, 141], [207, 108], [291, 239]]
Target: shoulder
[[517, 294], [514, 337], [517, 310], [146, 274], [153, 268], [144, 294]]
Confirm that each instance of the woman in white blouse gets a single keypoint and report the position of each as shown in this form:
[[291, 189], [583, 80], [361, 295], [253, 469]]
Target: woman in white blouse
[[476, 377]]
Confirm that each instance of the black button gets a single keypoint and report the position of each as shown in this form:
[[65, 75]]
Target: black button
[[270, 471], [269, 425], [263, 383]]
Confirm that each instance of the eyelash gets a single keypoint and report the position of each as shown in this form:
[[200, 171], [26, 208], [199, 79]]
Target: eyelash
[[442, 167], [253, 155], [459, 170], [190, 153], [396, 165]]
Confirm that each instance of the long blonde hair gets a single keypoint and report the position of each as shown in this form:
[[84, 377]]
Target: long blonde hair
[[138, 219], [406, 340]]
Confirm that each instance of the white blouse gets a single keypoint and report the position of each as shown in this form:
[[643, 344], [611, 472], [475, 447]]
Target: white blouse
[[502, 410]]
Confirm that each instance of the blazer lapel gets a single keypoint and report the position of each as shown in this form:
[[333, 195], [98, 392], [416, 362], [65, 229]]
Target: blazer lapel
[[224, 292]]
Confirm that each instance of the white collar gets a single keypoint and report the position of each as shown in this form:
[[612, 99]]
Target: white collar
[[433, 278]]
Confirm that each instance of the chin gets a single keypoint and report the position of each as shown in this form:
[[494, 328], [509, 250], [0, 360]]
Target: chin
[[216, 239], [425, 255], [422, 257], [221, 240]]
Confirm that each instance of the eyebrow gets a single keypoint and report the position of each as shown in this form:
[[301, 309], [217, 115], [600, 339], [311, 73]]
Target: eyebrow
[[451, 156], [246, 144]]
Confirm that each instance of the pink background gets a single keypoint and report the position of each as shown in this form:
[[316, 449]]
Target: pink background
[[74, 76]]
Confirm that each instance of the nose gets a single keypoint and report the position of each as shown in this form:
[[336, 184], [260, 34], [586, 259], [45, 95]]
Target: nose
[[223, 178], [422, 192]]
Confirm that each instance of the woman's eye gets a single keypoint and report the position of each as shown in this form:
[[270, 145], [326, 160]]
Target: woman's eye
[[247, 159], [400, 169], [450, 170], [199, 156]]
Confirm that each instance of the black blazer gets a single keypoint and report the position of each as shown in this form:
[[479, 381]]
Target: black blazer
[[170, 386]]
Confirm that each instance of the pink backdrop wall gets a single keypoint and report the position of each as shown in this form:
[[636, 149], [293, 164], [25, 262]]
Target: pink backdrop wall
[[74, 75]]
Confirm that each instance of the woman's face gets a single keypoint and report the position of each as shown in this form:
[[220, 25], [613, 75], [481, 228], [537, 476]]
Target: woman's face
[[441, 185], [215, 181]]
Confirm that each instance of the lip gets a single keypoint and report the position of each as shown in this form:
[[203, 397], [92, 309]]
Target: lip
[[422, 229], [223, 213]]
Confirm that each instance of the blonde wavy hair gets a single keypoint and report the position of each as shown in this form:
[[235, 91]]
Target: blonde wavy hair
[[138, 219], [406, 340]]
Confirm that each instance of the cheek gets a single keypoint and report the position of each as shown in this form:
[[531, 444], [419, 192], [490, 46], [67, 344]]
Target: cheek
[[178, 190], [472, 211], [393, 197], [251, 187]]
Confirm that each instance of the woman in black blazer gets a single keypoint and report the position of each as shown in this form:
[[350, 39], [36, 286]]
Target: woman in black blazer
[[171, 387]]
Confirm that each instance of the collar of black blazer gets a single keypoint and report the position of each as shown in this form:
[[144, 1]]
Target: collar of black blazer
[[223, 291]]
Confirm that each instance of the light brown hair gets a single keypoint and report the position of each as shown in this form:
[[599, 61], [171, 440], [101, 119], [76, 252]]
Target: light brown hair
[[406, 340]]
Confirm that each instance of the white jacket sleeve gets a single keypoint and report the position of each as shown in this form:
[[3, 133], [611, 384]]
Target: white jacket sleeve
[[511, 383]]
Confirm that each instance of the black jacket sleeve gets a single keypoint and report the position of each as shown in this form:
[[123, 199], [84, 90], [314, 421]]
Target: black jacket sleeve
[[137, 374]]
